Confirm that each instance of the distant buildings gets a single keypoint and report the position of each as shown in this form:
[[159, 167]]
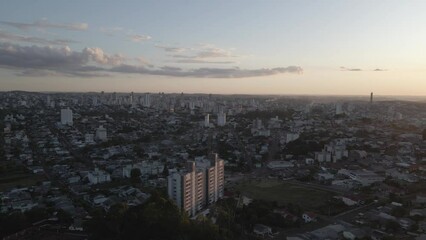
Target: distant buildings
[[200, 184], [66, 117], [88, 138]]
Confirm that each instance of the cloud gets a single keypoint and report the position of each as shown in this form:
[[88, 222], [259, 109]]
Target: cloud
[[45, 24], [359, 69], [210, 52], [94, 62], [50, 73], [171, 49], [207, 72], [202, 61], [207, 53], [4, 36], [350, 69], [55, 59], [139, 38]]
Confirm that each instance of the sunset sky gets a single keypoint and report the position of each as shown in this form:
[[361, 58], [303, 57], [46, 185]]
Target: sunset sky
[[245, 47]]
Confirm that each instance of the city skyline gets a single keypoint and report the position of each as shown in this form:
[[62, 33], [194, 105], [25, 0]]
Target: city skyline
[[224, 47]]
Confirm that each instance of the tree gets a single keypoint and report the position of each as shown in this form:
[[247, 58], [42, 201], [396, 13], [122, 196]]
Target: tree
[[135, 175], [166, 170], [399, 212]]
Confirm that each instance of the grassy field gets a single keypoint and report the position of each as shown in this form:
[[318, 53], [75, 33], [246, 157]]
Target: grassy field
[[11, 180], [284, 192]]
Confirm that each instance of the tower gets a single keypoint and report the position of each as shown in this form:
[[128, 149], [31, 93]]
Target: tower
[[371, 97]]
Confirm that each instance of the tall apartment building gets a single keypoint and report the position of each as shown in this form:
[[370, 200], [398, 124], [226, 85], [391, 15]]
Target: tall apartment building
[[221, 119], [200, 184]]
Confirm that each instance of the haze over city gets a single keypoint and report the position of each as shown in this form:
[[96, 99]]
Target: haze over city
[[224, 47]]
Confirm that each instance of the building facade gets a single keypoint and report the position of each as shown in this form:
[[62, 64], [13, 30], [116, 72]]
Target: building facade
[[200, 184]]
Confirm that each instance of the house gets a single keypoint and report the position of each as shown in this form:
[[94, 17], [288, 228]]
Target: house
[[262, 230], [352, 200], [309, 217]]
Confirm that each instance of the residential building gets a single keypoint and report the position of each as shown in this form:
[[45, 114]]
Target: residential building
[[200, 184]]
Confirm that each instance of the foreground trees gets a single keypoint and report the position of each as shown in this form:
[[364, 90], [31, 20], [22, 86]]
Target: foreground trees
[[158, 218]]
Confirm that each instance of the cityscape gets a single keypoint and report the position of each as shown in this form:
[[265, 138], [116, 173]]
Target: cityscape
[[213, 120]]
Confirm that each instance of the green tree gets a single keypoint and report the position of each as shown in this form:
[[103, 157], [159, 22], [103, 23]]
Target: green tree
[[135, 175]]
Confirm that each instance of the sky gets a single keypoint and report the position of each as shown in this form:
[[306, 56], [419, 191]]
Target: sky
[[333, 47]]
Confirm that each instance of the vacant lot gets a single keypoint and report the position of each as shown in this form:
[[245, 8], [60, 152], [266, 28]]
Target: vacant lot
[[284, 192]]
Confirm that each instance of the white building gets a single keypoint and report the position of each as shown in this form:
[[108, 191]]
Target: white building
[[147, 100], [207, 120], [221, 119], [199, 185], [101, 133], [280, 165], [66, 117]]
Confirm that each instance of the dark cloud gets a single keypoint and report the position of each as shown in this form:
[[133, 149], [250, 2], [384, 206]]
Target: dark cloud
[[93, 62], [49, 73], [51, 58], [4, 36], [379, 70], [46, 24]]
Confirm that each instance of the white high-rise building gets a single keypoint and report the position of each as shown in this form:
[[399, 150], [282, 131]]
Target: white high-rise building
[[207, 120], [339, 109], [201, 184], [221, 119], [101, 133], [66, 117]]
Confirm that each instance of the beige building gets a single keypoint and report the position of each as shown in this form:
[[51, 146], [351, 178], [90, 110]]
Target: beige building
[[200, 184]]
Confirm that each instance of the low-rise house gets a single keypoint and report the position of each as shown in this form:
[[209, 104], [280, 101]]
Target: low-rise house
[[309, 217]]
